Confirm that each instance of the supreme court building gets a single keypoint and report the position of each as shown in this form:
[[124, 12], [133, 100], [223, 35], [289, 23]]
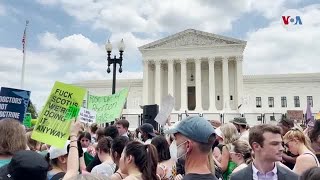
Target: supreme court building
[[203, 72]]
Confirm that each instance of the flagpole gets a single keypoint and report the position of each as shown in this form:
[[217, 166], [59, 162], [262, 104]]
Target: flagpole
[[24, 44]]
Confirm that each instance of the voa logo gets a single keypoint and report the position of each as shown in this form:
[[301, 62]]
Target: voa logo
[[291, 19]]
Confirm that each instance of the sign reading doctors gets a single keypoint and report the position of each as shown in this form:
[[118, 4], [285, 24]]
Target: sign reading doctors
[[13, 103], [53, 127]]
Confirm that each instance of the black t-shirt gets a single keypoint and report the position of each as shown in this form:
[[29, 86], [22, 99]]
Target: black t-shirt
[[199, 177]]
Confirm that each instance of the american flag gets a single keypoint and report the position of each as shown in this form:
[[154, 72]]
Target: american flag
[[24, 37]]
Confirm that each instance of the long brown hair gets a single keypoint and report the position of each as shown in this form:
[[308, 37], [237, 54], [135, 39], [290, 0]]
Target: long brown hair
[[12, 137], [145, 158]]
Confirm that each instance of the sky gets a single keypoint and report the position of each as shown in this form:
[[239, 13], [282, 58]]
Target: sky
[[66, 38]]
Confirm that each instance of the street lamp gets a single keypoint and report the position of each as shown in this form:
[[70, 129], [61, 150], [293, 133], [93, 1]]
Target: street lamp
[[114, 61]]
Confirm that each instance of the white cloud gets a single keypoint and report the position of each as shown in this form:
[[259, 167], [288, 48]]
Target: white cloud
[[274, 49], [3, 10]]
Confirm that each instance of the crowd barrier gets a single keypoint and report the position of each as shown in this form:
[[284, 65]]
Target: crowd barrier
[[253, 119]]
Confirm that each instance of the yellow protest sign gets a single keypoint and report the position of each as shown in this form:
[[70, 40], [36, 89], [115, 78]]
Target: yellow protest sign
[[108, 108], [317, 116], [52, 127]]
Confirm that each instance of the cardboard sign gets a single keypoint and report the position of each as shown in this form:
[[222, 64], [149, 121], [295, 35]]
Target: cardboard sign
[[166, 108], [52, 127], [108, 108], [295, 115], [87, 116], [13, 103]]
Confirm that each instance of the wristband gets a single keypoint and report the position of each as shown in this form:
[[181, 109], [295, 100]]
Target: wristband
[[74, 147]]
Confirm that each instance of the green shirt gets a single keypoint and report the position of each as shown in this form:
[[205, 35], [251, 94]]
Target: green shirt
[[4, 162]]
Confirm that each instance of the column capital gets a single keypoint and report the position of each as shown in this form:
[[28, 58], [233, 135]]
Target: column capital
[[239, 58], [158, 62], [183, 61], [170, 61], [225, 58]]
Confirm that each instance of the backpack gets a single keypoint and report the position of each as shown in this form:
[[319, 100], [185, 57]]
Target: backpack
[[58, 176]]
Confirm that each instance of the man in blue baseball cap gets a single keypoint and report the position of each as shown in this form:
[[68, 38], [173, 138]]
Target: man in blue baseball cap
[[194, 137]]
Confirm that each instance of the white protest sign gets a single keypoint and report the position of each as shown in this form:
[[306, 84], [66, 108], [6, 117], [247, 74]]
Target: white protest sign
[[87, 116], [166, 108]]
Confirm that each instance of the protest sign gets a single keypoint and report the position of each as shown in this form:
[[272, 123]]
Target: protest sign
[[295, 115], [27, 120], [108, 108], [87, 116], [166, 108], [52, 128], [13, 103]]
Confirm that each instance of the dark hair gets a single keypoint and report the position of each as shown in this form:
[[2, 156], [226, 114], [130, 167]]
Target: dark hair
[[256, 133], [162, 147], [123, 122], [100, 133], [93, 128], [286, 122], [84, 135], [104, 144], [315, 132], [111, 131], [311, 174], [145, 158], [118, 145]]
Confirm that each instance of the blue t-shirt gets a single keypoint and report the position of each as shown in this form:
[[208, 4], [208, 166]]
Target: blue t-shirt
[[4, 162]]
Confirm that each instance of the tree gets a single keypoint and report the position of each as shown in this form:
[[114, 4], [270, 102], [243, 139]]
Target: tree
[[32, 110]]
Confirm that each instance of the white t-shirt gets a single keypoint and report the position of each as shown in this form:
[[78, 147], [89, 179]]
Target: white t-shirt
[[106, 169], [245, 136]]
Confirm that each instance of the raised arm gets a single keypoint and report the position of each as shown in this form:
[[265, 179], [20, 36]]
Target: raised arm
[[73, 157]]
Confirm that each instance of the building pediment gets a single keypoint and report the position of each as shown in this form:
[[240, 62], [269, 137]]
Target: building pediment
[[192, 38]]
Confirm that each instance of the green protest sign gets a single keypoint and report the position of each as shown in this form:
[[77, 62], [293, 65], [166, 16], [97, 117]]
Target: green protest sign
[[108, 108], [52, 128], [27, 120], [72, 112]]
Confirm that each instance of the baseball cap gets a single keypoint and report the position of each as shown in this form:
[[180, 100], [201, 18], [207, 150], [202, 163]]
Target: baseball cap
[[147, 128], [25, 164], [219, 132], [195, 128], [57, 152]]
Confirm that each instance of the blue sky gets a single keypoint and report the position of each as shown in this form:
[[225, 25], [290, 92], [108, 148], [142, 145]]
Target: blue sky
[[66, 37]]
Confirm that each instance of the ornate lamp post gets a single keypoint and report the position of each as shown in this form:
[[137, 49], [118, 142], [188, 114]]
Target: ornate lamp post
[[114, 61]]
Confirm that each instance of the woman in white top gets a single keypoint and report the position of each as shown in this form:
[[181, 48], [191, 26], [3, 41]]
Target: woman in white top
[[166, 163], [107, 167], [240, 153], [299, 144]]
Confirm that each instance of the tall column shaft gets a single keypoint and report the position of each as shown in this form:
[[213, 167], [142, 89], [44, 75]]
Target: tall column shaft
[[145, 82], [170, 77], [225, 79], [198, 85], [184, 97], [158, 83], [239, 60], [212, 86]]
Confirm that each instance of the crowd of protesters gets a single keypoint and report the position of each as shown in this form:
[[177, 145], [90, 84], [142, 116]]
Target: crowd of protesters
[[191, 149]]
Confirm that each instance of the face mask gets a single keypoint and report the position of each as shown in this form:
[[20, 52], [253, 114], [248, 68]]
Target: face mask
[[181, 151], [173, 149]]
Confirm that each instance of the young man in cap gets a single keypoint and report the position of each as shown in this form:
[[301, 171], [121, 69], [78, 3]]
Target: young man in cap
[[242, 127], [25, 165], [147, 133], [194, 137]]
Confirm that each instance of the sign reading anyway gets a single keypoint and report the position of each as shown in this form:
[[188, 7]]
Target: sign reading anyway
[[87, 116], [108, 108], [13, 103], [52, 127]]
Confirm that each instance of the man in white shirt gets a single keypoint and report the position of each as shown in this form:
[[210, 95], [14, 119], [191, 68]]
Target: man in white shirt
[[242, 127], [147, 133], [123, 126], [266, 143]]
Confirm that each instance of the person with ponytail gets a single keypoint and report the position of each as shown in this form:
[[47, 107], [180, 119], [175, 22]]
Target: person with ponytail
[[299, 144], [139, 161], [240, 154]]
